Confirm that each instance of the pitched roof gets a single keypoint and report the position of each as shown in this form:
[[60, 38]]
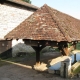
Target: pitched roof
[[20, 2], [47, 24]]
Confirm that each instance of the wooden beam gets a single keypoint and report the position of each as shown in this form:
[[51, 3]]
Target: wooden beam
[[63, 47], [41, 42], [68, 50], [30, 42]]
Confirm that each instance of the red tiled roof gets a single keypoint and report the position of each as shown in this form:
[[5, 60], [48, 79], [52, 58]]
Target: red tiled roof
[[47, 24]]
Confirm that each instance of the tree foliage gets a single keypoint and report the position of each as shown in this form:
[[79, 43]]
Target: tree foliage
[[28, 1]]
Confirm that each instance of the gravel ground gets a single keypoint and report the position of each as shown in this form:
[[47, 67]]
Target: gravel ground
[[25, 72], [13, 72]]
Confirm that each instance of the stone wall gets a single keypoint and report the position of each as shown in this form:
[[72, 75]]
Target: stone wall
[[19, 46], [65, 69], [11, 17]]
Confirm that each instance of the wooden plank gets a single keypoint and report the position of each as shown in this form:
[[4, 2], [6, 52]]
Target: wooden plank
[[41, 42]]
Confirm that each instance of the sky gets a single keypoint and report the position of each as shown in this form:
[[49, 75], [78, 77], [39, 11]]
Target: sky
[[70, 7]]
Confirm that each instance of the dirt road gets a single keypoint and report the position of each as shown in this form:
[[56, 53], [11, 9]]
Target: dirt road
[[14, 71]]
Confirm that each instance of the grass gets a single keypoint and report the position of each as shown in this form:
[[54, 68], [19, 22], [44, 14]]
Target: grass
[[26, 57], [2, 63], [78, 46], [76, 71], [16, 59]]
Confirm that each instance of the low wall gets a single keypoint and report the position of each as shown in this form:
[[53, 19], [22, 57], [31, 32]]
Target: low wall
[[19, 46]]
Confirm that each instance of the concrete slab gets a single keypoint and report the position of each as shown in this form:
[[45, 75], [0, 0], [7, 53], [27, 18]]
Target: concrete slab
[[75, 51], [58, 59]]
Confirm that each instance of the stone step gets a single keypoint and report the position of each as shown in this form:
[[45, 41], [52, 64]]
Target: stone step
[[58, 59], [75, 51]]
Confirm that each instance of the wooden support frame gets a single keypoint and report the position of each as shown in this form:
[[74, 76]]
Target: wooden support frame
[[38, 49], [40, 42], [38, 45], [63, 47]]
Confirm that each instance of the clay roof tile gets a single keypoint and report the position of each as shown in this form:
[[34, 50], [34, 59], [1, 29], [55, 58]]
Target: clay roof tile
[[47, 24]]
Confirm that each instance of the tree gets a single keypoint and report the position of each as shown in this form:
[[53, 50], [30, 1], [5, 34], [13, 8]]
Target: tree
[[28, 1]]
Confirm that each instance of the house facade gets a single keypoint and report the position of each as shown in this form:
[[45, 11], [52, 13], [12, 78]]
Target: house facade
[[12, 13]]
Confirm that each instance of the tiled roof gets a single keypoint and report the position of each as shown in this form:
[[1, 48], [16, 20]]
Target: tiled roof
[[47, 24], [20, 2]]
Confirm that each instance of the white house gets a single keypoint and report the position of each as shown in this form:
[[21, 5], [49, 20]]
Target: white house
[[12, 13]]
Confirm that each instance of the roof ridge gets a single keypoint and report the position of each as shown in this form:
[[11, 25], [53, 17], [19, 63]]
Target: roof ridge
[[48, 9], [24, 3]]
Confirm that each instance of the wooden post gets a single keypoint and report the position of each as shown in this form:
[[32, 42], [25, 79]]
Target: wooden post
[[38, 49], [75, 58], [74, 44], [38, 55], [37, 46]]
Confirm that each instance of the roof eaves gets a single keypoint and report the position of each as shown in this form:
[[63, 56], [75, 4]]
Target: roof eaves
[[23, 4]]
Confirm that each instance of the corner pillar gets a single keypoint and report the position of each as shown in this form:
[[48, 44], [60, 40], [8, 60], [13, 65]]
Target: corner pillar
[[38, 49]]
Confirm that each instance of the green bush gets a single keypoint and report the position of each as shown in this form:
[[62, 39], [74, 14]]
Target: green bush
[[76, 71], [28, 1], [78, 46]]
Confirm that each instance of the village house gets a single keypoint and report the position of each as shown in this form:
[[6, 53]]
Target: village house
[[12, 13]]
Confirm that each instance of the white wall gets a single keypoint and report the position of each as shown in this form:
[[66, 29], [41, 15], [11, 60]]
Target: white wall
[[11, 17]]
